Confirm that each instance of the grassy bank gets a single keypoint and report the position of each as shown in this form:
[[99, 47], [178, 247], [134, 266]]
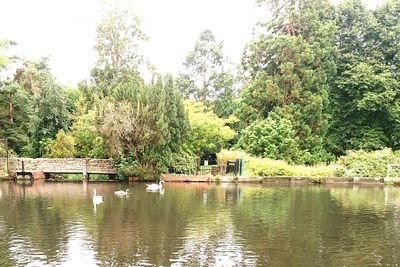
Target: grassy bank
[[353, 164]]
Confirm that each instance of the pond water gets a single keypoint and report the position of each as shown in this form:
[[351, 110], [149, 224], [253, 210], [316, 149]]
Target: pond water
[[56, 224]]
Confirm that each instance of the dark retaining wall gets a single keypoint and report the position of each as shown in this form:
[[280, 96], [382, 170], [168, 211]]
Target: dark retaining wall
[[275, 180]]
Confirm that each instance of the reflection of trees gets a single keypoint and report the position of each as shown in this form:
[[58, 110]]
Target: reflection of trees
[[5, 240], [373, 219], [309, 225], [144, 228], [264, 217], [38, 217], [212, 241], [199, 225], [358, 197], [78, 251]]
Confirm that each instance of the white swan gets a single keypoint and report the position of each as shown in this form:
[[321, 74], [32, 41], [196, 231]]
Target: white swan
[[121, 192], [155, 187], [97, 199]]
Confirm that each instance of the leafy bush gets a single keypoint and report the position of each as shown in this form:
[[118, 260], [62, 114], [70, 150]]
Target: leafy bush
[[369, 164], [273, 137], [88, 141], [62, 147], [333, 170], [182, 162], [269, 167], [126, 166], [209, 133]]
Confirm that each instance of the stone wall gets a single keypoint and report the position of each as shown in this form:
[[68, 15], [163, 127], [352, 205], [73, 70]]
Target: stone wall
[[3, 167], [63, 165]]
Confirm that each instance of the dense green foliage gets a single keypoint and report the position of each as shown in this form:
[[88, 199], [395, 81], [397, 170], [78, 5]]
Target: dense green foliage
[[207, 76], [273, 137], [209, 133], [258, 166], [354, 164], [290, 68], [143, 123], [366, 91], [318, 83], [15, 123], [63, 146], [15, 107], [370, 164]]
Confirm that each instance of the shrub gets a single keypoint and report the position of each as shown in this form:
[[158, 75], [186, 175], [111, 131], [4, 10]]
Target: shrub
[[273, 137], [88, 141], [369, 164], [354, 164], [266, 167], [269, 167], [182, 162], [126, 166], [62, 147], [333, 170]]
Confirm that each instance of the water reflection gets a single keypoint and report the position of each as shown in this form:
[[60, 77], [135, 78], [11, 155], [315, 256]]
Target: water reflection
[[219, 245], [78, 248], [198, 225]]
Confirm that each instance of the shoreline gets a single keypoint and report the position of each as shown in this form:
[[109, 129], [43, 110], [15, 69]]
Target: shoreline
[[281, 179], [247, 179]]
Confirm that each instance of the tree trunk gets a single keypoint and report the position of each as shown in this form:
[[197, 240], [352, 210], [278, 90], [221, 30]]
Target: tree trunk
[[198, 164], [10, 111]]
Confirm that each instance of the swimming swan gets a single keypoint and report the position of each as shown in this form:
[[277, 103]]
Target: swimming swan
[[155, 187], [97, 199], [121, 192]]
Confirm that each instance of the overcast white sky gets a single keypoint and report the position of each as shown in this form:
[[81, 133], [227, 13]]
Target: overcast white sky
[[65, 30]]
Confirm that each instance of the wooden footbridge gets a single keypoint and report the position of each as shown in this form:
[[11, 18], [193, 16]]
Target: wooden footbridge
[[41, 168]]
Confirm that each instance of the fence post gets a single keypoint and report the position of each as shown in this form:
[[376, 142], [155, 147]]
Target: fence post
[[241, 173], [85, 175]]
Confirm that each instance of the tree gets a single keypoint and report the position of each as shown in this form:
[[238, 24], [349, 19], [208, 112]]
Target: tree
[[73, 95], [15, 106], [206, 77], [273, 137], [142, 123], [118, 40], [89, 142], [291, 67], [51, 114], [203, 64], [16, 122], [387, 35], [209, 133], [365, 94], [63, 146], [146, 124], [178, 122], [4, 59]]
